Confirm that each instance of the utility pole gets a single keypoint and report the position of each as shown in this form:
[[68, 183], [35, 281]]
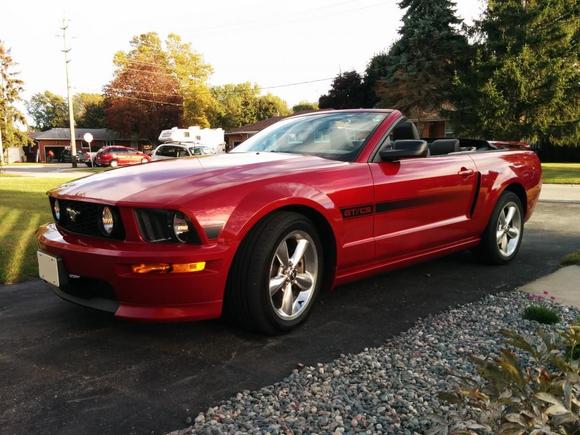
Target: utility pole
[[66, 50]]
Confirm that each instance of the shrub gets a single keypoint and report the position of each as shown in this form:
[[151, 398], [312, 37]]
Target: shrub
[[540, 396], [541, 315]]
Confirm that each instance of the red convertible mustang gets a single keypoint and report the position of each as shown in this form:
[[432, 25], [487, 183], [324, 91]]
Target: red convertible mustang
[[311, 202]]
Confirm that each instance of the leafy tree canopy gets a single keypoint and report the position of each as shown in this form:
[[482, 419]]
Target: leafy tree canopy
[[48, 110], [523, 82], [157, 86], [241, 103], [304, 105], [347, 92], [89, 110]]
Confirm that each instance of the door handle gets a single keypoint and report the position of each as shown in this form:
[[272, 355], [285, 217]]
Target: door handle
[[465, 172]]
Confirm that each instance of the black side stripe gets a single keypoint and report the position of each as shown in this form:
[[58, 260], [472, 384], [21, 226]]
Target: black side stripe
[[386, 206]]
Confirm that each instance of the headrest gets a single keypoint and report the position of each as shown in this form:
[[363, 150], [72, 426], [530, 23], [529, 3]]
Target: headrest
[[443, 146], [406, 130]]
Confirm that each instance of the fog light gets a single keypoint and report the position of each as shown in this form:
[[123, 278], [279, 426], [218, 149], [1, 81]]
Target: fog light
[[56, 209], [107, 221]]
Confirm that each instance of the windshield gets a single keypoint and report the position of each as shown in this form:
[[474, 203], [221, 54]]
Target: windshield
[[336, 136]]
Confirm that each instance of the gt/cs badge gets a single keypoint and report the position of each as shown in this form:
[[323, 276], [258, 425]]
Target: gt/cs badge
[[360, 210]]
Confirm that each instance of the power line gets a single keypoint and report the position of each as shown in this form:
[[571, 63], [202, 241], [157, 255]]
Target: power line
[[147, 100], [296, 83]]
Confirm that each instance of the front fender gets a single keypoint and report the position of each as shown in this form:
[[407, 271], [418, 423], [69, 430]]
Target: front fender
[[260, 202]]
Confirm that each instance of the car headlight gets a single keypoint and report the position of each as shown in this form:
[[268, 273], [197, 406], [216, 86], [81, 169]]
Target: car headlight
[[107, 221], [181, 227], [56, 209]]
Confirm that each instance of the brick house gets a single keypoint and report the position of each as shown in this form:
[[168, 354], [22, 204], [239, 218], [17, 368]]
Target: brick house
[[57, 139]]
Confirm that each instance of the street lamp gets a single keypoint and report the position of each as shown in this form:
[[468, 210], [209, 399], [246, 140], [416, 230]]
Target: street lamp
[[88, 137]]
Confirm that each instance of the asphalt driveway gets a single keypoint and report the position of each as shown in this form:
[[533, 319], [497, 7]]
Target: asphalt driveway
[[69, 370]]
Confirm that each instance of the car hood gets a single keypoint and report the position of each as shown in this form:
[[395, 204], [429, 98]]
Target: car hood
[[165, 181]]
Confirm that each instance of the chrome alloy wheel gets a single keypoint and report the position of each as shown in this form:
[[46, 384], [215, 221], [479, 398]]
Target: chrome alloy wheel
[[293, 275], [509, 229]]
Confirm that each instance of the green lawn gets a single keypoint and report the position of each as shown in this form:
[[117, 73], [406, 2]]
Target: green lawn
[[561, 173], [23, 208], [573, 258]]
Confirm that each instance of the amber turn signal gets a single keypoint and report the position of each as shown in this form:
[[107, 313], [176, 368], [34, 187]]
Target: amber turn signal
[[169, 268]]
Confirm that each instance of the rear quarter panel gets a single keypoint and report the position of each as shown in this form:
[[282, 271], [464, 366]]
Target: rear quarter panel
[[500, 169]]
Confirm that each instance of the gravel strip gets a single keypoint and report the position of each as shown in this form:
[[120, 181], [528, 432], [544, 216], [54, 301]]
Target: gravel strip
[[388, 389]]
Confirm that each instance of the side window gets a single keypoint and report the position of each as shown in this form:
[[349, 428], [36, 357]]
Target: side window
[[170, 151], [181, 152]]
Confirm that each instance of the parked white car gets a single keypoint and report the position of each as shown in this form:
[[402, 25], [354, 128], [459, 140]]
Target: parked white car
[[177, 150]]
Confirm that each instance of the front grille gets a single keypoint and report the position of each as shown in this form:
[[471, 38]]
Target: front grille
[[85, 218]]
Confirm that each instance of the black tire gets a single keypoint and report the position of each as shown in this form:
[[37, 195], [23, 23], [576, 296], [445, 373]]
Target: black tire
[[489, 250], [247, 299]]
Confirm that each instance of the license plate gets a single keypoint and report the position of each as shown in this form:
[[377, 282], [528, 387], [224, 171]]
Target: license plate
[[50, 269]]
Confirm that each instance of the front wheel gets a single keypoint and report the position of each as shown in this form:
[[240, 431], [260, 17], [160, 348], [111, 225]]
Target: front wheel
[[276, 274], [502, 237], [114, 164]]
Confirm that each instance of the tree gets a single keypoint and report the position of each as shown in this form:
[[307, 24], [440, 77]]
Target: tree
[[11, 119], [304, 106], [48, 110], [156, 87], [375, 71], [241, 103], [192, 74], [524, 81], [347, 91], [270, 105], [89, 110], [420, 66]]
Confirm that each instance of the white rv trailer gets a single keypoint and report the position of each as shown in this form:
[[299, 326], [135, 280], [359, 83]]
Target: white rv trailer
[[213, 138]]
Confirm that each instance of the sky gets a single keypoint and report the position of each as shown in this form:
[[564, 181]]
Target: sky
[[270, 43]]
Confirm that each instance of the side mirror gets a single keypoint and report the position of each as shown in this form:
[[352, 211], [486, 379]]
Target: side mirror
[[404, 149]]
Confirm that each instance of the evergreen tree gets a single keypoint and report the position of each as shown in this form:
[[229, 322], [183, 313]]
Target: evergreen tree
[[375, 71], [524, 82], [419, 68], [10, 88]]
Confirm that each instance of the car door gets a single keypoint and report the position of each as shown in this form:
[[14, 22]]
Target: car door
[[422, 203]]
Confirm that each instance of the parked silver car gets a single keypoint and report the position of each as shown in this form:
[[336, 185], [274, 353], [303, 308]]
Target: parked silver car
[[177, 150]]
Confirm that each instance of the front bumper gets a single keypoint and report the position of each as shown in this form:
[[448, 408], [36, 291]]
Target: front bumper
[[101, 277]]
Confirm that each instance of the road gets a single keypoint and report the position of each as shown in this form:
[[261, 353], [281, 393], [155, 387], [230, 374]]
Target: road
[[68, 370]]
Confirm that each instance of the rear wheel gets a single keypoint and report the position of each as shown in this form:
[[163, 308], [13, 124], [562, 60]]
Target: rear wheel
[[502, 237], [276, 274], [114, 164], [144, 161]]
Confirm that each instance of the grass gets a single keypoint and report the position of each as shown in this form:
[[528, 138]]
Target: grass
[[573, 258], [541, 315], [561, 173], [23, 208]]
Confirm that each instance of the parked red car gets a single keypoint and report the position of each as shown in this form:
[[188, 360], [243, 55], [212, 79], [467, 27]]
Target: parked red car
[[309, 203], [120, 156]]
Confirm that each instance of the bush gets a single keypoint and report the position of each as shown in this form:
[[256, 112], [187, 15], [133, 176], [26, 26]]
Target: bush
[[538, 396], [541, 315]]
